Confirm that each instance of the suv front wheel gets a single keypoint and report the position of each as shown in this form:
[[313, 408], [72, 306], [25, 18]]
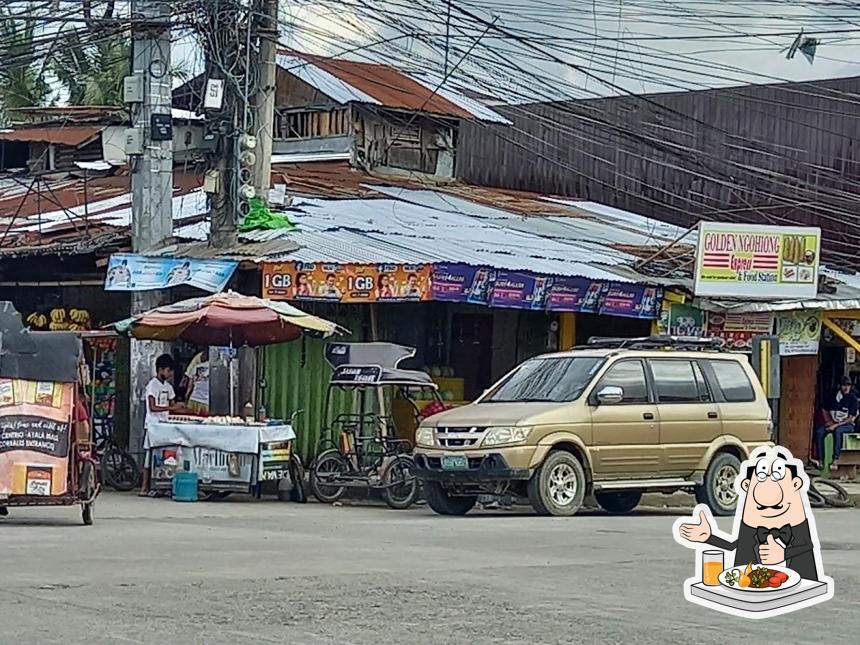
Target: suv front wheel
[[558, 485], [718, 488]]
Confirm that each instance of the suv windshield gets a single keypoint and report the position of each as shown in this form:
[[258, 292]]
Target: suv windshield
[[550, 380]]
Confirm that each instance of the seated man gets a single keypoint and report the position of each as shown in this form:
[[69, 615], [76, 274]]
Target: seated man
[[839, 416]]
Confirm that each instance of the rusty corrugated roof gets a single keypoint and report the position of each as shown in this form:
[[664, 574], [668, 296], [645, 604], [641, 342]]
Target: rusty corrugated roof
[[391, 87], [347, 81], [64, 135]]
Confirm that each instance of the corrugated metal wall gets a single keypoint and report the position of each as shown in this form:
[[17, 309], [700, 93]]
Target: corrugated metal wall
[[297, 378], [771, 154]]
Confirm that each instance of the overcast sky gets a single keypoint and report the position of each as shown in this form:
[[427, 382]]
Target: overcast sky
[[588, 47]]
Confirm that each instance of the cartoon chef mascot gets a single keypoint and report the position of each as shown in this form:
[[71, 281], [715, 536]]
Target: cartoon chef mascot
[[773, 527]]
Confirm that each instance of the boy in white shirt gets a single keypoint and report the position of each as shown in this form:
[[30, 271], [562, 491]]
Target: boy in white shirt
[[160, 400]]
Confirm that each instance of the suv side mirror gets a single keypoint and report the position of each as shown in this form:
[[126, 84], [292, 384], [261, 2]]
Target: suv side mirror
[[610, 395]]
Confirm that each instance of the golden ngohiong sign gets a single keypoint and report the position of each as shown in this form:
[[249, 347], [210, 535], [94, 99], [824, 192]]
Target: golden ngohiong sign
[[752, 261]]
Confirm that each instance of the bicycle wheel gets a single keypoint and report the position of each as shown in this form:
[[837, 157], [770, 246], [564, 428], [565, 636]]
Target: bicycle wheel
[[839, 498], [327, 469], [401, 486], [119, 469], [297, 475]]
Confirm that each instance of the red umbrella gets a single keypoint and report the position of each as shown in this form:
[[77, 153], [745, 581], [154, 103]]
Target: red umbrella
[[226, 319]]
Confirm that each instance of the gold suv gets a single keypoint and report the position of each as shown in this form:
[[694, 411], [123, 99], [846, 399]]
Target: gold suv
[[614, 419]]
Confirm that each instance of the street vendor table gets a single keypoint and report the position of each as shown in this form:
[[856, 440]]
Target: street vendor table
[[226, 458]]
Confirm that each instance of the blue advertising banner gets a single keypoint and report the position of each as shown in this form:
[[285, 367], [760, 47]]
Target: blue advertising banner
[[515, 290], [579, 295], [128, 272], [631, 301], [462, 283]]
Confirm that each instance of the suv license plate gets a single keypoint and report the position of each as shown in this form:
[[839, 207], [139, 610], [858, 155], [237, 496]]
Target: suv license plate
[[455, 462]]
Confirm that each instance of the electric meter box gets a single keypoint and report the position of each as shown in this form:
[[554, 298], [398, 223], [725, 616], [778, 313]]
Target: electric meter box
[[132, 89]]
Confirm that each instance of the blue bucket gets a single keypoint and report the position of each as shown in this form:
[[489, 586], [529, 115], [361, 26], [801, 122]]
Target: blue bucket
[[185, 487]]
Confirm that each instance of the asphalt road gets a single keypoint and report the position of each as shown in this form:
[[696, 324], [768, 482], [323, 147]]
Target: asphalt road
[[155, 571]]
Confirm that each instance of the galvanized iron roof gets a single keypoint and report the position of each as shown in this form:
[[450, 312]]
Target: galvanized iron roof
[[346, 81]]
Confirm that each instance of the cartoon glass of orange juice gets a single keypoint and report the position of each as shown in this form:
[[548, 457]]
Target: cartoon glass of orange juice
[[712, 567]]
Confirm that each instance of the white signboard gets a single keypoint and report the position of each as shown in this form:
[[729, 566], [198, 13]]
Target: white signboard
[[752, 261]]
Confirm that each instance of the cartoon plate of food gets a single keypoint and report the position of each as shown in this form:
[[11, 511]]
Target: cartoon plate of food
[[759, 578]]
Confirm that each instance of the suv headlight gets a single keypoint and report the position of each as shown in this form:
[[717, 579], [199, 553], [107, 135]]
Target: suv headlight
[[425, 436], [499, 435]]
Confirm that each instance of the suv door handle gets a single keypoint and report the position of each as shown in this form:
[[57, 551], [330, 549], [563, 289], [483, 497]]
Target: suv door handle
[[647, 415], [712, 415]]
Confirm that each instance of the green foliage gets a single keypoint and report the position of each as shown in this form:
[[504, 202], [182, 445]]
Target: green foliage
[[22, 78]]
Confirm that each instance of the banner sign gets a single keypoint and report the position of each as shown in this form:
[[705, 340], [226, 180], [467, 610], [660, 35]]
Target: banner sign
[[35, 434], [799, 332], [737, 330], [454, 282], [462, 283], [682, 320], [138, 273], [569, 294], [346, 283], [755, 261], [514, 290], [631, 301]]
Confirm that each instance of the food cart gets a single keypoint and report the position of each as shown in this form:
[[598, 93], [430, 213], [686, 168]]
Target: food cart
[[42, 460], [228, 454]]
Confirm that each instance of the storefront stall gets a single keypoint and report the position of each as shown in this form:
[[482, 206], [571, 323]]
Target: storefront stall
[[227, 454]]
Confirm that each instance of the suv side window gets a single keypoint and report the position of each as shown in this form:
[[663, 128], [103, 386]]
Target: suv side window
[[629, 375], [733, 381], [677, 381]]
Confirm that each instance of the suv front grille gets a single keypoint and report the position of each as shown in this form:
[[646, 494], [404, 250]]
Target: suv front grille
[[459, 437]]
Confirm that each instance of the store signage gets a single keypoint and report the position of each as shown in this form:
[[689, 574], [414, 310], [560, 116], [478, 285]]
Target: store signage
[[799, 332], [454, 282], [682, 320], [631, 301], [34, 437], [751, 261], [516, 290], [578, 295], [462, 283], [346, 283], [138, 273], [738, 330]]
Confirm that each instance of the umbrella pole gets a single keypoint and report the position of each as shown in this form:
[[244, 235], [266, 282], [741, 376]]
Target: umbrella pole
[[232, 384]]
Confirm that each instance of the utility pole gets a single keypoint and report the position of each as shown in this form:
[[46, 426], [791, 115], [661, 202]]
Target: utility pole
[[264, 119], [228, 60], [151, 178], [263, 122]]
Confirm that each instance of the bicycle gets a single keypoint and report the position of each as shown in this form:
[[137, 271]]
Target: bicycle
[[118, 468]]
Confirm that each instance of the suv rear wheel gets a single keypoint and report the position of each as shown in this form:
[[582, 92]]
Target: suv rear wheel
[[718, 488], [558, 485], [441, 502], [618, 502]]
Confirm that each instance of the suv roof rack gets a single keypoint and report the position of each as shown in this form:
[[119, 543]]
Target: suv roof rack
[[686, 343]]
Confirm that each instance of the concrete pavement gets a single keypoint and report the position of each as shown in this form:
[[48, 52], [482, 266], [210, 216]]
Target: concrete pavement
[[155, 571]]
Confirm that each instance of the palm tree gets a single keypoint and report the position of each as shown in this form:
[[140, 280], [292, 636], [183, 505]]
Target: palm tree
[[91, 70], [22, 78]]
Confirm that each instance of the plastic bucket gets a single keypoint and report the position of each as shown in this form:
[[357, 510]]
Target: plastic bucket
[[185, 487]]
